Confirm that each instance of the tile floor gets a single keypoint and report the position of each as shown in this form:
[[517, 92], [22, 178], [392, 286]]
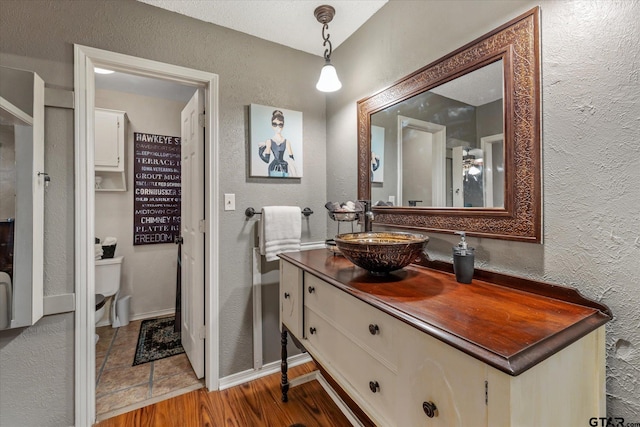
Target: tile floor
[[121, 387]]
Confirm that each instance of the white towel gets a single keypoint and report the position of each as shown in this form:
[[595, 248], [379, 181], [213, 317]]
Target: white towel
[[279, 230]]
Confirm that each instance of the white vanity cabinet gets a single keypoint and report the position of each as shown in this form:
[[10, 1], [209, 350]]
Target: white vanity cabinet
[[109, 155], [438, 380], [374, 341]]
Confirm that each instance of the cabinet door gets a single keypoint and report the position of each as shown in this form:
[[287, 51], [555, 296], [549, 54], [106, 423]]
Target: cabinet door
[[108, 141], [438, 380], [291, 298]]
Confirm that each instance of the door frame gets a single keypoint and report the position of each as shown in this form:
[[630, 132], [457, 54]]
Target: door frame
[[85, 59]]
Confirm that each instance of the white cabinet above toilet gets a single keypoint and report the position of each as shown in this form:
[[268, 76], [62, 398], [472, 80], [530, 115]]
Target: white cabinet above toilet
[[110, 149]]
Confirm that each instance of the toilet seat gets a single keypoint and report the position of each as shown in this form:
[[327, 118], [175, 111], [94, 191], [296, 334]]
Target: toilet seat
[[100, 301]]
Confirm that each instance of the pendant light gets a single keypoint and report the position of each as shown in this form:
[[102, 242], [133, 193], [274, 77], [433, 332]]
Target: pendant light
[[328, 81]]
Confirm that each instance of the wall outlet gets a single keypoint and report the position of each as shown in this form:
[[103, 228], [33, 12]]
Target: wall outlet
[[392, 199], [229, 202]]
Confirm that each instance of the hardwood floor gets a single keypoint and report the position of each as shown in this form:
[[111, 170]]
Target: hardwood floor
[[254, 404]]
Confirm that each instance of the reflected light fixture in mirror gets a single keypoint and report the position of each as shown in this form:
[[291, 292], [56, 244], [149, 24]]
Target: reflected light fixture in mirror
[[328, 81]]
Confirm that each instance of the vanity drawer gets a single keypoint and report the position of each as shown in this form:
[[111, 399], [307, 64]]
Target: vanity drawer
[[369, 383], [371, 328]]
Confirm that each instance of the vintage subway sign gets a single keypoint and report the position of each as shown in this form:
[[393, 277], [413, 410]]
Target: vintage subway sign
[[156, 189]]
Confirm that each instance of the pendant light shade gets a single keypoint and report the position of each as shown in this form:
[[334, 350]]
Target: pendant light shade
[[328, 81]]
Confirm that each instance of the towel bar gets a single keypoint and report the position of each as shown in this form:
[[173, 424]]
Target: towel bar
[[250, 212]]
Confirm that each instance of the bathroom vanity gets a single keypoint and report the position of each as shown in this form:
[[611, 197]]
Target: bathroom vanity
[[415, 347]]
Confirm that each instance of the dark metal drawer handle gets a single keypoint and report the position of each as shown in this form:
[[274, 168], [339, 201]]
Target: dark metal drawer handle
[[286, 295], [312, 331], [311, 289], [374, 386], [430, 409], [373, 329]]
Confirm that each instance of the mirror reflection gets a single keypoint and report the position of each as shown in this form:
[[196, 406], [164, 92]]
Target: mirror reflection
[[443, 147], [22, 180]]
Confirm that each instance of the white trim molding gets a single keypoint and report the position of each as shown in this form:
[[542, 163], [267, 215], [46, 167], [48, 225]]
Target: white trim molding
[[267, 369]]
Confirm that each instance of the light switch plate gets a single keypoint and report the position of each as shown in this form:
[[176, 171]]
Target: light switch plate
[[229, 202]]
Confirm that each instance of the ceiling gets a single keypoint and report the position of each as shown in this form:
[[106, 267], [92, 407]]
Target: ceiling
[[145, 86], [290, 23], [479, 87], [286, 22]]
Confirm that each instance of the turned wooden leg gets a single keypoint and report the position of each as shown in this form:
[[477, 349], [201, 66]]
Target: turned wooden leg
[[284, 382]]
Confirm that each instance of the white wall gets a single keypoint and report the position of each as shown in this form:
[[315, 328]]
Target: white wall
[[591, 123], [149, 271]]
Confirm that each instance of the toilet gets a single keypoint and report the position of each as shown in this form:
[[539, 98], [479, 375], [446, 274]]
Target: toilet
[[108, 272]]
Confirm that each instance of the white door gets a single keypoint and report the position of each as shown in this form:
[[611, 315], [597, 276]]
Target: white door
[[192, 231], [458, 175]]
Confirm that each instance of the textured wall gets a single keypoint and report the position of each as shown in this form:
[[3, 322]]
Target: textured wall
[[39, 35], [591, 123], [590, 108], [36, 363]]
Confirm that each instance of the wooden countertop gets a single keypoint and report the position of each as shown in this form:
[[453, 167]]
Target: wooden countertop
[[505, 325]]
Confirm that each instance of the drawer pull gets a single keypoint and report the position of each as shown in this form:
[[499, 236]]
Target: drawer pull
[[286, 295], [312, 331], [374, 386], [374, 329], [430, 409], [311, 289]]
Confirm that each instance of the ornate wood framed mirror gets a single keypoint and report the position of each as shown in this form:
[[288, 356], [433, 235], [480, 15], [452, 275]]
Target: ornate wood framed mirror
[[456, 144]]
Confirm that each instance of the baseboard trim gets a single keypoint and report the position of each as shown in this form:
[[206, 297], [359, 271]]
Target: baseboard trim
[[267, 369], [142, 316]]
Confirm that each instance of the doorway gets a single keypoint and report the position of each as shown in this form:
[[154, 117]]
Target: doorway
[[86, 59], [421, 163], [138, 144]]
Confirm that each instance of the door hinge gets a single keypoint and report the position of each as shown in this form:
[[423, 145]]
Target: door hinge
[[202, 332], [202, 225], [486, 392], [201, 121]]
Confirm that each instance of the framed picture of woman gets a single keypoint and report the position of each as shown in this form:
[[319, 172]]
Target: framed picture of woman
[[275, 142], [377, 154]]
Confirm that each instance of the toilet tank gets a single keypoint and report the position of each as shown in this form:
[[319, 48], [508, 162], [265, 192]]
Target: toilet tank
[[108, 275]]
